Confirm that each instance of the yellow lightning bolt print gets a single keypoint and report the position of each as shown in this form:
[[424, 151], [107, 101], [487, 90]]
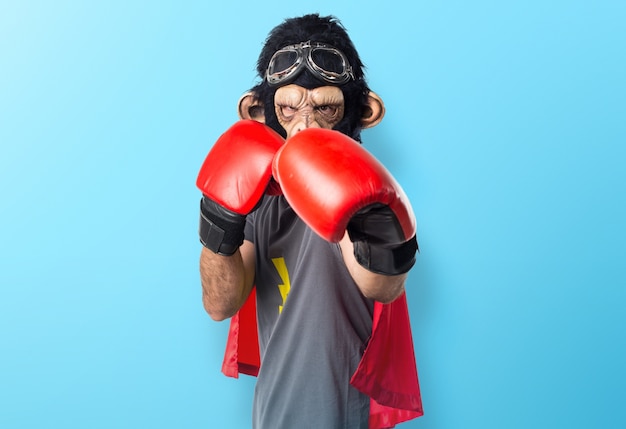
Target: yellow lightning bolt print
[[284, 288]]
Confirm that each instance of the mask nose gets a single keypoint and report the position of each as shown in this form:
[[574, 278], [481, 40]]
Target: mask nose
[[306, 120]]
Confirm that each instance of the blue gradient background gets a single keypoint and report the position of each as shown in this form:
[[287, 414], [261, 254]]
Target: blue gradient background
[[505, 124]]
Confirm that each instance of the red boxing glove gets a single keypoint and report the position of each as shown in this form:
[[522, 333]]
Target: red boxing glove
[[334, 185], [233, 178]]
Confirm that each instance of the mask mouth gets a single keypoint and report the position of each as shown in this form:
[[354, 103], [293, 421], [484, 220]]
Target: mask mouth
[[324, 61]]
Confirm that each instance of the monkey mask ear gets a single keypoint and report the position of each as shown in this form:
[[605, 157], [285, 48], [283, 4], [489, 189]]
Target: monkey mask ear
[[250, 107], [373, 111]]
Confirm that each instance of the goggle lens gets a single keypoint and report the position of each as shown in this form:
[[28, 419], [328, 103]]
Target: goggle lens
[[329, 61], [282, 61]]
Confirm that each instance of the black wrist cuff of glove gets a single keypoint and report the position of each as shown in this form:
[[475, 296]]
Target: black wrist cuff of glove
[[221, 230], [386, 259]]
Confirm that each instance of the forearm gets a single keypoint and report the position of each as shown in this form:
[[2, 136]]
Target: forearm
[[225, 286], [379, 287]]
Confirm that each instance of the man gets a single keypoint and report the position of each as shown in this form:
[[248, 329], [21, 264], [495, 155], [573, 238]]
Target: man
[[298, 220]]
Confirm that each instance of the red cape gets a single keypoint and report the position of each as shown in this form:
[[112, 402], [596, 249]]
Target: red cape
[[387, 372]]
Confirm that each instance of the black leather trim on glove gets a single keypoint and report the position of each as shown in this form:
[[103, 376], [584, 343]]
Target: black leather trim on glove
[[379, 243], [386, 259], [221, 230]]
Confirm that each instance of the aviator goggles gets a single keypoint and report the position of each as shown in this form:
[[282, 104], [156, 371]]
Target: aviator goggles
[[324, 61]]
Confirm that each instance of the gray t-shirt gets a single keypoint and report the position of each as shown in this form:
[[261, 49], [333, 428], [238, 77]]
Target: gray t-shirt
[[314, 324]]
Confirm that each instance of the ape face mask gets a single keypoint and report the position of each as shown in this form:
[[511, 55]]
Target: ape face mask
[[311, 51], [324, 61]]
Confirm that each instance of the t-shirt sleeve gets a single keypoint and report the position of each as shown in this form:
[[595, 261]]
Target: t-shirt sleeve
[[248, 231]]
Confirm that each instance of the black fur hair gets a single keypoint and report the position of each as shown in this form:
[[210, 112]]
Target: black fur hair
[[316, 28]]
